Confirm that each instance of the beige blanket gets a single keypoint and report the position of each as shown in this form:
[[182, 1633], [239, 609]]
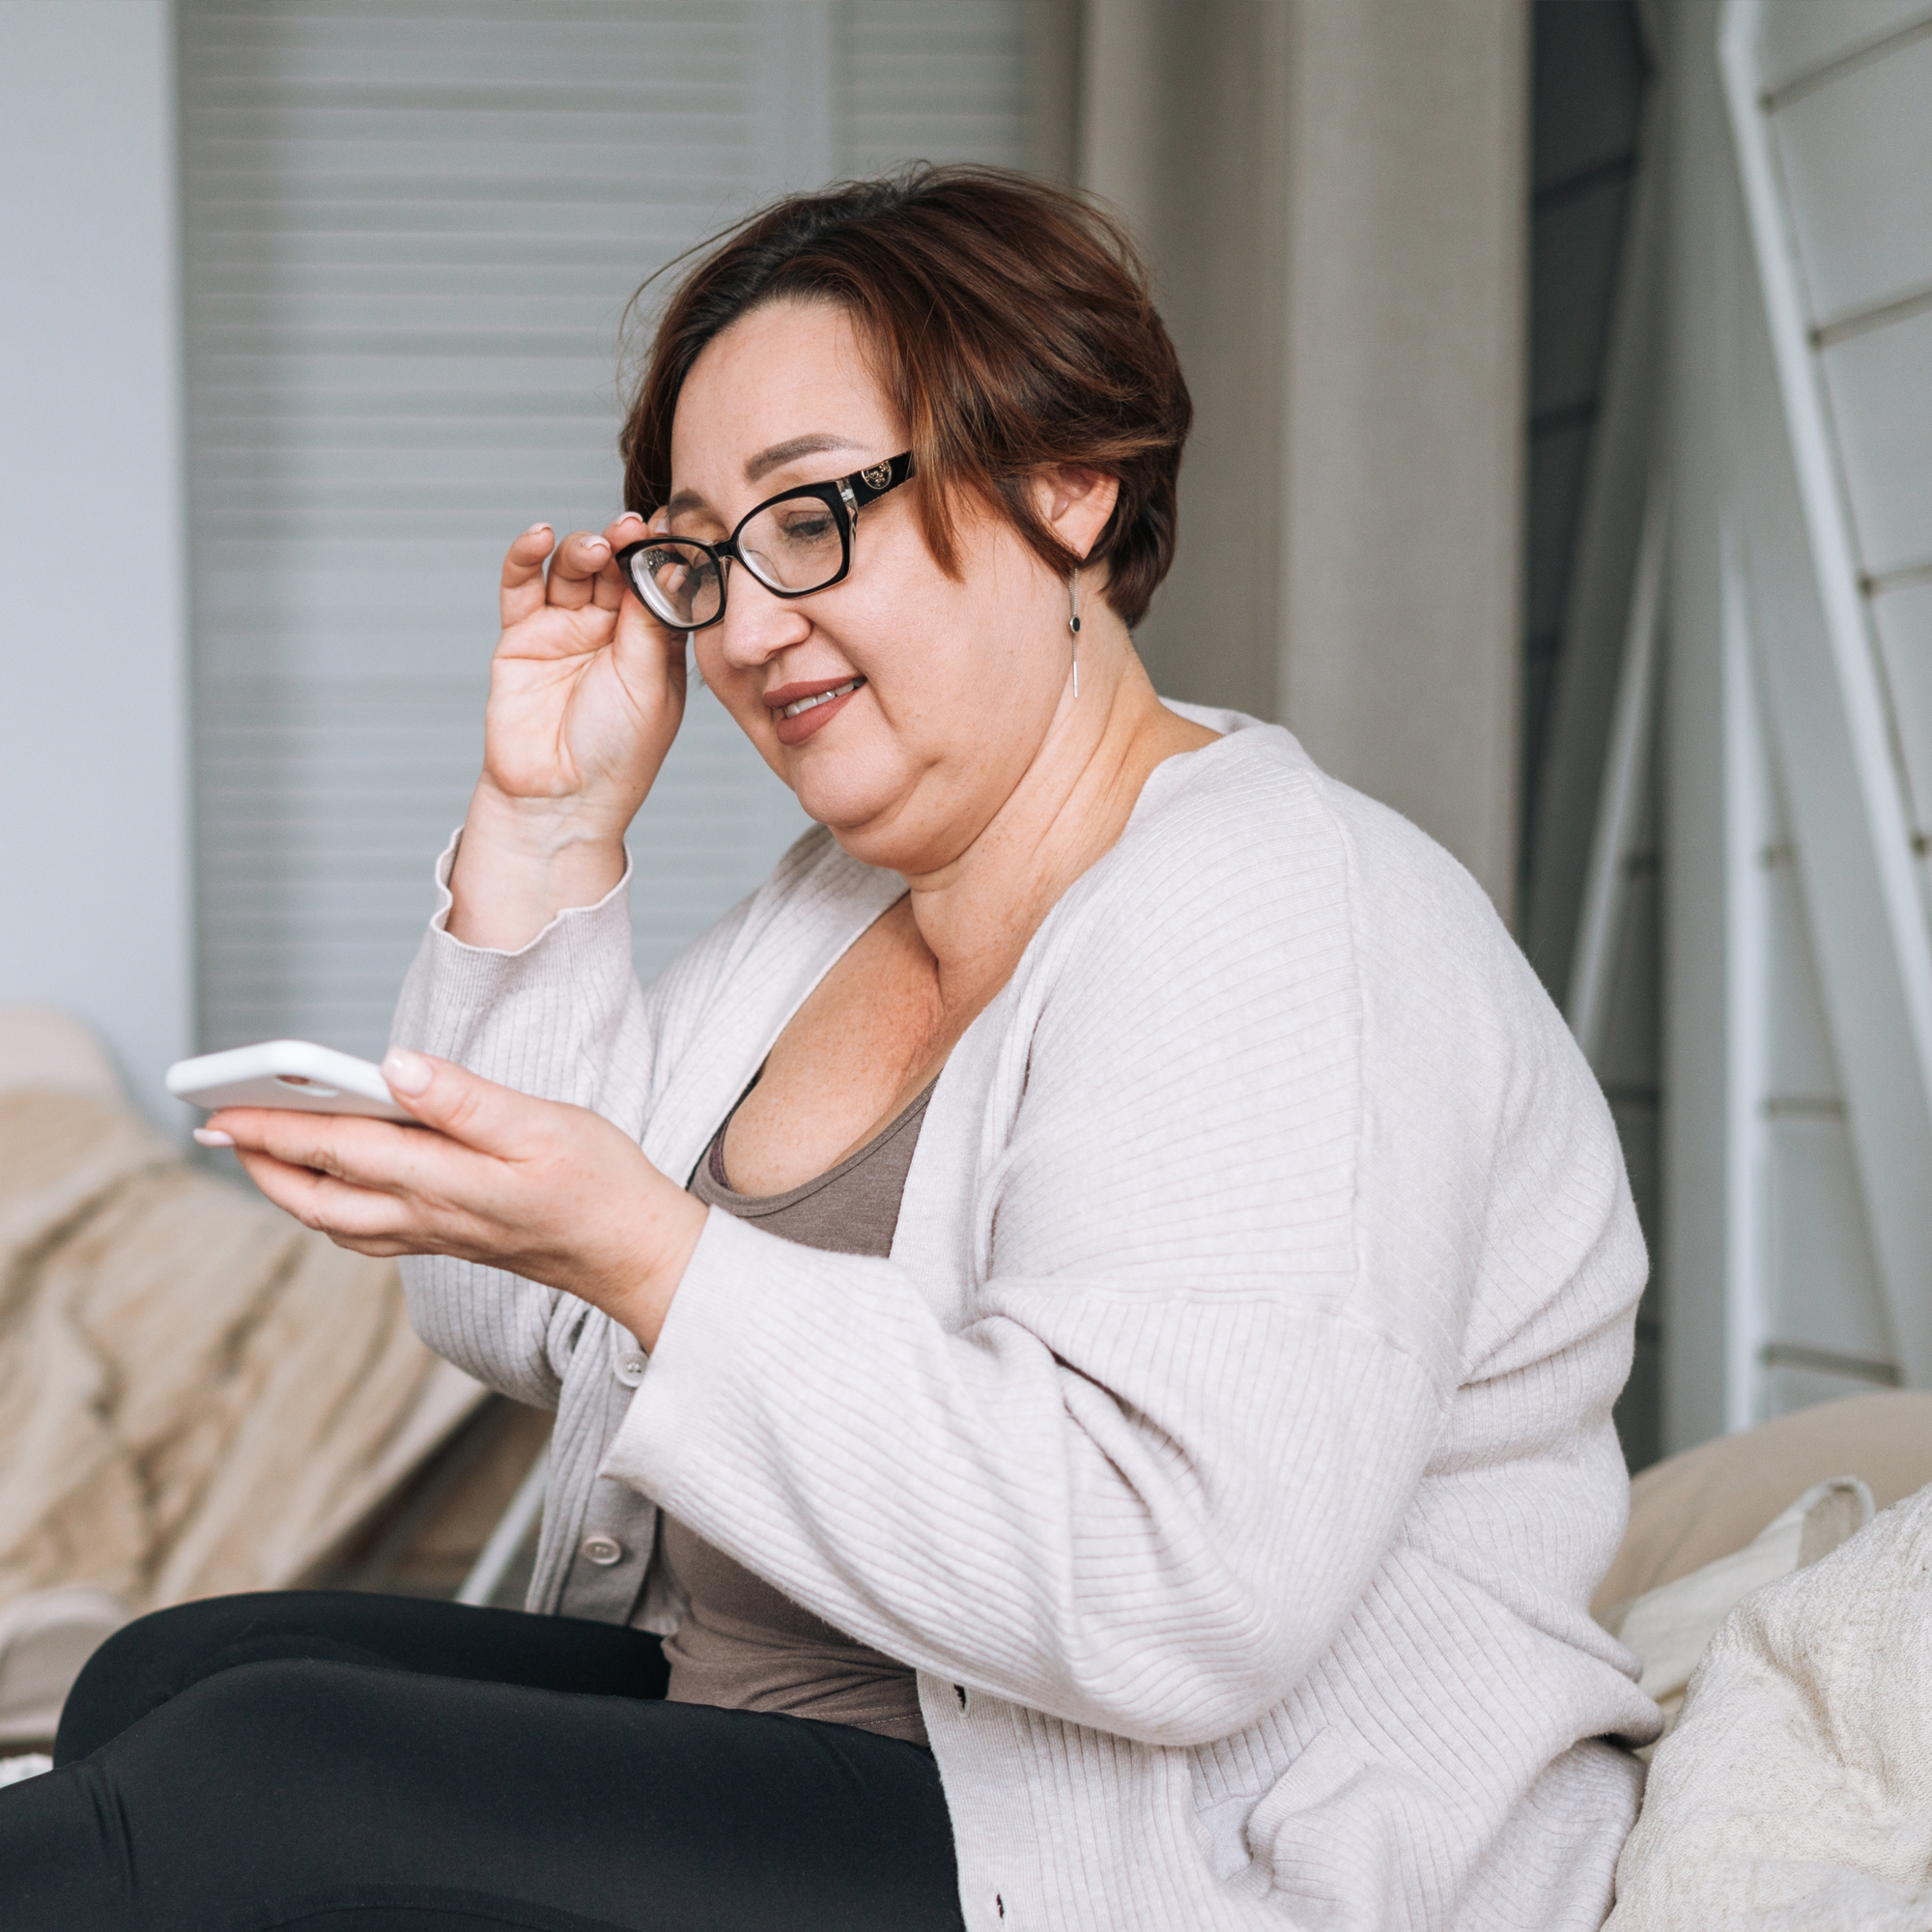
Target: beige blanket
[[1797, 1788], [196, 1395]]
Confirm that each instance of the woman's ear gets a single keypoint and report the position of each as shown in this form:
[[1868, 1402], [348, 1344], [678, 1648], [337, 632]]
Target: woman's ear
[[1076, 504]]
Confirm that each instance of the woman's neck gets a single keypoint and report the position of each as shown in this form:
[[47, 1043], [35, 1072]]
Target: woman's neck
[[976, 914]]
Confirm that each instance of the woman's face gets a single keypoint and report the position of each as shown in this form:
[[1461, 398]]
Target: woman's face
[[954, 683]]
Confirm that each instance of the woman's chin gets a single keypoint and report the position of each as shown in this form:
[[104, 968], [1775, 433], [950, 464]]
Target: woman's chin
[[868, 820], [842, 783], [855, 819]]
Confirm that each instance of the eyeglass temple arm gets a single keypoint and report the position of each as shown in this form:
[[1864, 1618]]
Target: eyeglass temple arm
[[858, 489]]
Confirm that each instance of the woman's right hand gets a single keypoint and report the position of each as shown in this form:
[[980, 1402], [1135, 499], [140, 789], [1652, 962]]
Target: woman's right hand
[[587, 693]]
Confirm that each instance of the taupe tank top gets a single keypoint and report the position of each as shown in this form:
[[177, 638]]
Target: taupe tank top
[[744, 1645]]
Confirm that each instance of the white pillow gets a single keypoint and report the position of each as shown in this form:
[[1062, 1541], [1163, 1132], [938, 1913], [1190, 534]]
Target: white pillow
[[1669, 1627]]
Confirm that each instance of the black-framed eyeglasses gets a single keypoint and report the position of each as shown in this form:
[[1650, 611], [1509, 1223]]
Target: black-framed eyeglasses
[[794, 544]]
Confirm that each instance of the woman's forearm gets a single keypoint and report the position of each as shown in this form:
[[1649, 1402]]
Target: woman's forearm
[[522, 862], [527, 1018], [542, 1191]]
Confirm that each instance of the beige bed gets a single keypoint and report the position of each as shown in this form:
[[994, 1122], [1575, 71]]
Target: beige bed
[[196, 1394]]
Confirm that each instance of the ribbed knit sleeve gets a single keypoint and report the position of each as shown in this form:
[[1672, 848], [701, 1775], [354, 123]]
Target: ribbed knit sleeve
[[564, 1018], [1125, 1535]]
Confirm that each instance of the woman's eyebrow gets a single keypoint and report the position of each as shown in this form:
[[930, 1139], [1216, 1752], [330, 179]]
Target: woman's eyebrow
[[768, 460]]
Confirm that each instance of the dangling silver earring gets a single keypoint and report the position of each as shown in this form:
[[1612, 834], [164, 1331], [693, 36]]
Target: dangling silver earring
[[1074, 623]]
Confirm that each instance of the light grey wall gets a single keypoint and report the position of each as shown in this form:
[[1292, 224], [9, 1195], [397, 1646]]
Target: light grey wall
[[1398, 635], [1333, 198], [1184, 128], [95, 904]]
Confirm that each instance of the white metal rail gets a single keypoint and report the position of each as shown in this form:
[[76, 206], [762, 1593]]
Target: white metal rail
[[1831, 720]]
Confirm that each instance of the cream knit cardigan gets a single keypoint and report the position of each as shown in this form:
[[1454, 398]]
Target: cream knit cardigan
[[1227, 1439]]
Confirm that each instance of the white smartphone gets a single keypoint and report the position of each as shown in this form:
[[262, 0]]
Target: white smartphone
[[288, 1073]]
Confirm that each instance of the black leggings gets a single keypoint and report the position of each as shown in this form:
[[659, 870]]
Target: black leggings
[[386, 1764]]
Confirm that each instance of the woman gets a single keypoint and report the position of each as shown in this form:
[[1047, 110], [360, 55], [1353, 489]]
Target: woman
[[1086, 1311]]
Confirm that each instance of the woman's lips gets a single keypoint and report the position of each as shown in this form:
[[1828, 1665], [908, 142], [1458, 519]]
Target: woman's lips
[[801, 710]]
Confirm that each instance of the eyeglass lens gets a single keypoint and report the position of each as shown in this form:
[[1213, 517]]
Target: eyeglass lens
[[795, 545], [678, 582]]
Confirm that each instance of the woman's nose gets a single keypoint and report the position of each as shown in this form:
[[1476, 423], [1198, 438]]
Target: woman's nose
[[757, 624]]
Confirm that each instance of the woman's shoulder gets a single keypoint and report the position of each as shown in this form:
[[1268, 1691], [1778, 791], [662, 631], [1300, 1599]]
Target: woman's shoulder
[[1259, 891], [1252, 883], [1250, 830]]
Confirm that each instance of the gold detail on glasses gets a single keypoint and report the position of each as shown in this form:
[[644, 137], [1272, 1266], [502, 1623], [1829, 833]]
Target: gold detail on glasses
[[877, 476]]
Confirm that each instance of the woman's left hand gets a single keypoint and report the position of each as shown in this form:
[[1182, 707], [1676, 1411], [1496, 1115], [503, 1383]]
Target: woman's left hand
[[551, 1192]]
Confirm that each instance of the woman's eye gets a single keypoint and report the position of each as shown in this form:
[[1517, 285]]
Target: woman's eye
[[806, 529]]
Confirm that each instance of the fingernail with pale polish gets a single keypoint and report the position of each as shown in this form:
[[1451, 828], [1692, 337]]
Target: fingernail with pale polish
[[536, 530], [595, 544], [406, 1072], [213, 1137]]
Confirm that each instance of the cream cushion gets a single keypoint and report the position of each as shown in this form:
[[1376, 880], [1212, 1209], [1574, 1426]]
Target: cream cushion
[[1714, 1499]]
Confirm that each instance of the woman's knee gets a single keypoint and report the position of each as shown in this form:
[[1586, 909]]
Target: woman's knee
[[128, 1675], [156, 1658], [235, 1792], [248, 1728]]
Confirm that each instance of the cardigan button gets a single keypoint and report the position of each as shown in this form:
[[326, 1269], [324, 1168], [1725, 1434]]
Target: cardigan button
[[603, 1551], [631, 1370]]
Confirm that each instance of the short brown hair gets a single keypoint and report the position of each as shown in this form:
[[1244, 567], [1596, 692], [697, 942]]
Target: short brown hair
[[1014, 331]]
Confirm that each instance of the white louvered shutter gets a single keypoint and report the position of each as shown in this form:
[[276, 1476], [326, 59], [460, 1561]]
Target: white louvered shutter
[[413, 226]]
